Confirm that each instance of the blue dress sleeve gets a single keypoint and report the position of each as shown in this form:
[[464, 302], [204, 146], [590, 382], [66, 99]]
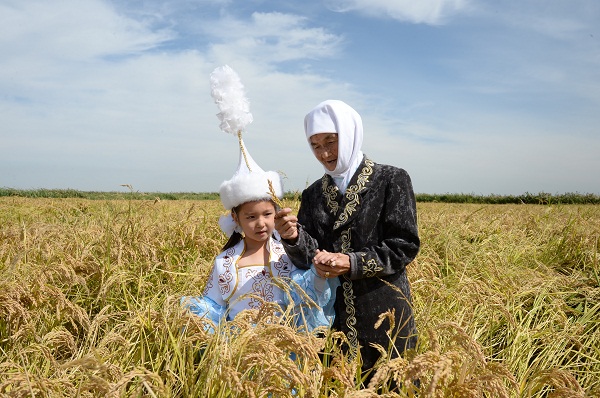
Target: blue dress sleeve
[[317, 310], [210, 305], [206, 308]]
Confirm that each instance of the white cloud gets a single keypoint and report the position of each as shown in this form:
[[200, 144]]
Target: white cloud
[[93, 96], [432, 12], [269, 38], [72, 30], [90, 104], [556, 19]]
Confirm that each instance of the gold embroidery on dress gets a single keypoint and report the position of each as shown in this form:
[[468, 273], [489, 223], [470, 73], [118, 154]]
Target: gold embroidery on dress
[[352, 195], [352, 334], [330, 192], [371, 268], [353, 191], [346, 237]]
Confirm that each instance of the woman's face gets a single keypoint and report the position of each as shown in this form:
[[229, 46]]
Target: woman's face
[[257, 220], [325, 148]]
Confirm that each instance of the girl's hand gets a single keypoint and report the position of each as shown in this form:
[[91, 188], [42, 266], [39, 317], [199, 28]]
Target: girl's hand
[[286, 224], [329, 265]]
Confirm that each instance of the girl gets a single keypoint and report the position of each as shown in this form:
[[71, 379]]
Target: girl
[[253, 266]]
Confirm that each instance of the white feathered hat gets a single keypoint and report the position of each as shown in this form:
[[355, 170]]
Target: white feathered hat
[[249, 182]]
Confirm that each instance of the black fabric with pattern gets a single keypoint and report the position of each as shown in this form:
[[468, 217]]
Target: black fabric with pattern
[[375, 223]]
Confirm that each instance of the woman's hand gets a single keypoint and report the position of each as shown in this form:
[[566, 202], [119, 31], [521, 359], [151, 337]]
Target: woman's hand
[[286, 224], [329, 265]]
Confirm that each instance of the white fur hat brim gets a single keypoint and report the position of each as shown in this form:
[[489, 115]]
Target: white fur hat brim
[[248, 187]]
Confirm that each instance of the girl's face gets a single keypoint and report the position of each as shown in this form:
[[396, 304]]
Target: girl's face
[[257, 220], [325, 148]]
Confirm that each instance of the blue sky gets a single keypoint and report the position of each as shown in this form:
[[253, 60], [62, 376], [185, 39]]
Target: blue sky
[[483, 97]]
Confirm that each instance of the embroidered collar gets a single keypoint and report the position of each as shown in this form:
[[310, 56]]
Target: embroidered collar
[[351, 199]]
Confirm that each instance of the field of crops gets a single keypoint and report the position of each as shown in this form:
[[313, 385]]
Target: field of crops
[[507, 302]]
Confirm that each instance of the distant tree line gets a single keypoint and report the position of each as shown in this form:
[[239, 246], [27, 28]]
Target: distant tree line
[[541, 198], [108, 195]]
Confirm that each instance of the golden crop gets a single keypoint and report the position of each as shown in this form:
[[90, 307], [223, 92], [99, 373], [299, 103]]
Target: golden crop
[[507, 302]]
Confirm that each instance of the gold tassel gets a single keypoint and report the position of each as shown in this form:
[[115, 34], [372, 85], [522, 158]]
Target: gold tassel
[[274, 196], [242, 149]]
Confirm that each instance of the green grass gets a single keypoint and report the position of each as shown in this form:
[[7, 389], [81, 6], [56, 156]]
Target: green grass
[[542, 198]]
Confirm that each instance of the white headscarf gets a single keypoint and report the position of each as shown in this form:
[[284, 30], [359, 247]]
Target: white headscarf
[[334, 116]]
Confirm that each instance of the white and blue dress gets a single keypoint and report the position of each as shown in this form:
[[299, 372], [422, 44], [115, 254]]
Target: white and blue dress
[[232, 288]]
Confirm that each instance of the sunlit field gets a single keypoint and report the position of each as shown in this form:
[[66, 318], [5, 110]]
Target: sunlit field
[[507, 303]]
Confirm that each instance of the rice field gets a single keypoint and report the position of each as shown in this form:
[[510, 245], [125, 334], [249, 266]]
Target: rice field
[[507, 303]]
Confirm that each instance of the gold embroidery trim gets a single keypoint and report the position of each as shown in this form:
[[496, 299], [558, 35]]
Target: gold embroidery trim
[[346, 237], [352, 334], [330, 192], [371, 268], [352, 193]]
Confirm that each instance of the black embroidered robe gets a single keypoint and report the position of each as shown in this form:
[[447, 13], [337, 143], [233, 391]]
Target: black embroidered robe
[[375, 223]]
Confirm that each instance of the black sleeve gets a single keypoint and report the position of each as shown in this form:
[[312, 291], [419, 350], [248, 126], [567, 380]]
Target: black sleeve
[[399, 243], [303, 250]]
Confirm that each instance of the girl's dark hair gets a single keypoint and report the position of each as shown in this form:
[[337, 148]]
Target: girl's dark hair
[[236, 237]]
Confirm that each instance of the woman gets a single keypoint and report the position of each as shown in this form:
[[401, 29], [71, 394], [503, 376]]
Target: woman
[[359, 223]]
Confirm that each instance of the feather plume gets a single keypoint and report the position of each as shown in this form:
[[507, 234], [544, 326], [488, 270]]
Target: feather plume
[[228, 93]]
